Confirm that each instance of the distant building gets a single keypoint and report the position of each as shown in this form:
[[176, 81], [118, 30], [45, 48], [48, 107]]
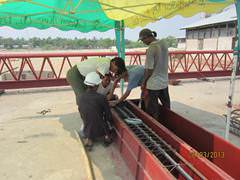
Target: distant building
[[113, 48], [217, 32], [25, 46], [181, 43]]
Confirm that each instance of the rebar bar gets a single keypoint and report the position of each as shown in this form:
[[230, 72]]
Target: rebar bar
[[153, 142], [235, 122]]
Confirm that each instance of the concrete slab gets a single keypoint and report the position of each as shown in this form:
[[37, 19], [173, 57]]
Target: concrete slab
[[37, 127], [38, 141]]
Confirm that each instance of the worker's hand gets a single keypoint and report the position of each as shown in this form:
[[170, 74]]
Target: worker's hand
[[115, 82], [144, 93], [109, 97], [113, 103], [143, 86]]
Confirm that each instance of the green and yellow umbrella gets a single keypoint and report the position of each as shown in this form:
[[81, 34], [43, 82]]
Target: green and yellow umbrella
[[100, 15]]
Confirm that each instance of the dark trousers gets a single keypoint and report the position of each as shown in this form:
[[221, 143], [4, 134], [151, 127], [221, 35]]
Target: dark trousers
[[153, 104]]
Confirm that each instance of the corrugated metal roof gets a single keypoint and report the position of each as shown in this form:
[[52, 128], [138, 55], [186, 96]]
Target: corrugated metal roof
[[226, 16]]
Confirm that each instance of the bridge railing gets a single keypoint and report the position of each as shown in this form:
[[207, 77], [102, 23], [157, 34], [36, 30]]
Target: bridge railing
[[29, 70]]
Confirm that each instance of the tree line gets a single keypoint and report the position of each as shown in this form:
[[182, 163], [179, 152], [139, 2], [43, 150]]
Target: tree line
[[65, 44]]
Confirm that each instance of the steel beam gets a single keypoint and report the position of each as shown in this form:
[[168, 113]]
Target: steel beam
[[209, 169], [33, 83]]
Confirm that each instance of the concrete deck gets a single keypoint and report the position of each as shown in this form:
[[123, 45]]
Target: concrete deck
[[42, 146]]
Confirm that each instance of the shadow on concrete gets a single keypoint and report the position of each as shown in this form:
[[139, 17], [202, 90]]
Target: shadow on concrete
[[70, 122], [107, 161]]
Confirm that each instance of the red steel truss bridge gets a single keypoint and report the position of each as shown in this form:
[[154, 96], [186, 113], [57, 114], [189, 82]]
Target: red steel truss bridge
[[29, 70]]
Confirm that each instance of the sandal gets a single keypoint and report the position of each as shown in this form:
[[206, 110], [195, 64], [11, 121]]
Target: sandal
[[89, 147], [88, 144], [107, 141]]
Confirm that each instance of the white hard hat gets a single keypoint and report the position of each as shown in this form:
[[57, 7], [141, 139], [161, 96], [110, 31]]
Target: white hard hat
[[103, 70], [92, 79]]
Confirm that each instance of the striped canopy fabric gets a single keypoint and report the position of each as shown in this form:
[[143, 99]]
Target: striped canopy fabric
[[99, 15]]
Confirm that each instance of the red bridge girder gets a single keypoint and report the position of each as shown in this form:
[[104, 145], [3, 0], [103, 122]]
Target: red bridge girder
[[182, 135], [182, 65]]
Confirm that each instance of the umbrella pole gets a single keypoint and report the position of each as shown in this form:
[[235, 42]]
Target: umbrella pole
[[234, 73], [120, 44]]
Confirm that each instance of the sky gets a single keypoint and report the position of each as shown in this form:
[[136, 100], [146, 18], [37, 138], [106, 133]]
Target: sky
[[163, 27]]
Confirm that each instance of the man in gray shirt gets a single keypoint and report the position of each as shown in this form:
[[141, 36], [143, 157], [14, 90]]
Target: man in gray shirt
[[156, 72]]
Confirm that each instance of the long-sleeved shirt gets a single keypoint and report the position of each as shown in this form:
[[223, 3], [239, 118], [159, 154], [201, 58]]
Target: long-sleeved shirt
[[95, 113]]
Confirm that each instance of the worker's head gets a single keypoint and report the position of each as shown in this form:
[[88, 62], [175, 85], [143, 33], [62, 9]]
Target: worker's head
[[92, 80], [102, 70], [147, 36], [104, 75], [106, 80], [117, 66]]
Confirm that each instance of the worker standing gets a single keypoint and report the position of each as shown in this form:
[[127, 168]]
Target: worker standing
[[156, 72]]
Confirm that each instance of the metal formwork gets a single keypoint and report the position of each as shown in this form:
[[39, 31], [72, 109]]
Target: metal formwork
[[152, 151], [235, 122], [168, 157]]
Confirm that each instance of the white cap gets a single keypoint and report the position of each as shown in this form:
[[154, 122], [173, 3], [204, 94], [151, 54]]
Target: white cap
[[103, 70], [92, 79]]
